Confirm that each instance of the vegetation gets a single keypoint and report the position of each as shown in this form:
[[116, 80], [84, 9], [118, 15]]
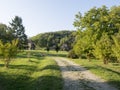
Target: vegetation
[[8, 51], [18, 31], [5, 33], [40, 73], [52, 40], [97, 36], [15, 30], [111, 72], [97, 31]]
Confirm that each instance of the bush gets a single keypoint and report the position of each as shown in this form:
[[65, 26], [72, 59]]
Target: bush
[[72, 54], [8, 51]]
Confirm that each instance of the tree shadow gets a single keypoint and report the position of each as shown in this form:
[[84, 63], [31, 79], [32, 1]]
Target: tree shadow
[[24, 82], [25, 67], [14, 82], [53, 67], [109, 70], [58, 55], [49, 83], [2, 65], [86, 84], [32, 55]]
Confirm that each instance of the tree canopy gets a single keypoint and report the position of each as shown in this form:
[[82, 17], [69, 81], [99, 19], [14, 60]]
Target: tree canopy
[[95, 31], [62, 39]]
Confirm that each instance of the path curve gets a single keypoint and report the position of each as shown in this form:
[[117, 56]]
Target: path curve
[[78, 78]]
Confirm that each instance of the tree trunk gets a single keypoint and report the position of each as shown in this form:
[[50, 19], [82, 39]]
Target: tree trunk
[[88, 57], [105, 61], [7, 62]]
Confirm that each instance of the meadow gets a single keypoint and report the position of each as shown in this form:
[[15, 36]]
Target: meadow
[[40, 72], [37, 72]]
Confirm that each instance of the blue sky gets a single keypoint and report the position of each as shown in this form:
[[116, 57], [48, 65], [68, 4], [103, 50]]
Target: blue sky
[[47, 15]]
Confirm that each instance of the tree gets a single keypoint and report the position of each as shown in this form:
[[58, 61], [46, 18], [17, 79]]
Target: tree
[[18, 31], [57, 48], [92, 26], [8, 51], [5, 33], [102, 49], [116, 46], [3, 29]]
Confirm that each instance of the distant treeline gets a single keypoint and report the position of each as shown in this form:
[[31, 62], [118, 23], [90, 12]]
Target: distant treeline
[[62, 39]]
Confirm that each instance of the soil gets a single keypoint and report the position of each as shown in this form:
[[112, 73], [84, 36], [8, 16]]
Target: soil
[[77, 77]]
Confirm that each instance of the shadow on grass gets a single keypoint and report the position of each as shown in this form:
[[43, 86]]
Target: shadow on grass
[[49, 83], [109, 70], [2, 65], [26, 82], [32, 55], [25, 67], [53, 67], [14, 82]]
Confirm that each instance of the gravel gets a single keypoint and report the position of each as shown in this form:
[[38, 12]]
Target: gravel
[[77, 77]]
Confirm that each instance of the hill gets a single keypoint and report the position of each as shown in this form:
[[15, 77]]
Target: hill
[[50, 40]]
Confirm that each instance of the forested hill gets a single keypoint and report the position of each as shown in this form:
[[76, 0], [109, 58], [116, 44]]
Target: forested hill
[[62, 39]]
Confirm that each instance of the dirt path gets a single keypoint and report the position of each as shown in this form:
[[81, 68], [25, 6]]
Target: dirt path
[[78, 78]]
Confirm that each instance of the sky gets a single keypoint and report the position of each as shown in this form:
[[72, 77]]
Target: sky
[[41, 16]]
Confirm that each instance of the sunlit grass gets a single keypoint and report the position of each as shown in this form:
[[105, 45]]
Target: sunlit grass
[[38, 73]]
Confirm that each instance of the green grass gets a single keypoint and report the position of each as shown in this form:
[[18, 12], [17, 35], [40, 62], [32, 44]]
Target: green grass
[[110, 72], [54, 53], [38, 73]]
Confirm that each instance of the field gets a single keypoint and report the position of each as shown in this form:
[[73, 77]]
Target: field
[[35, 73], [41, 72]]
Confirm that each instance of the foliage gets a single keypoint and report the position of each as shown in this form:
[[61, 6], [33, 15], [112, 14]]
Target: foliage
[[18, 30], [57, 48], [92, 27], [5, 33], [116, 46], [72, 54], [102, 49], [64, 39], [8, 51]]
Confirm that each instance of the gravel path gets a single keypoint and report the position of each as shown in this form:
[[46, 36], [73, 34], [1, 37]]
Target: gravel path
[[78, 78]]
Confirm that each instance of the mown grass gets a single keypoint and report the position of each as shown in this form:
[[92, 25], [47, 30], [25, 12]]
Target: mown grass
[[54, 53], [37, 73], [110, 72]]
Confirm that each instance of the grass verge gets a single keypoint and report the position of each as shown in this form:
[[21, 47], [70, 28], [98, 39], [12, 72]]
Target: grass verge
[[110, 72], [38, 73]]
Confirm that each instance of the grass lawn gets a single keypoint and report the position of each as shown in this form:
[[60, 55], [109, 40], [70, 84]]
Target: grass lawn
[[54, 53], [110, 72], [38, 73]]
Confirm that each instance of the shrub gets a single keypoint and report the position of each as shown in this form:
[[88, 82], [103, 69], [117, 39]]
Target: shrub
[[72, 54], [8, 51]]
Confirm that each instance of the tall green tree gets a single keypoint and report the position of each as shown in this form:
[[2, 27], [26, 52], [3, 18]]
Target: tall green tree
[[92, 26], [18, 30]]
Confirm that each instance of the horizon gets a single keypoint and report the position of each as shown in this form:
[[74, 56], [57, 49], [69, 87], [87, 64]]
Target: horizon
[[48, 16]]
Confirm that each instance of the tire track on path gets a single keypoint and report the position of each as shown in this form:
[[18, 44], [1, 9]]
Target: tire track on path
[[78, 78]]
